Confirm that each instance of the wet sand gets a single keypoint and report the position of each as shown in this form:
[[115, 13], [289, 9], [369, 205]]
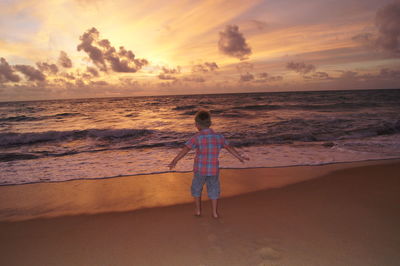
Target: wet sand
[[340, 214]]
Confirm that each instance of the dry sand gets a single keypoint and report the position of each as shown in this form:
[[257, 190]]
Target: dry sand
[[349, 215]]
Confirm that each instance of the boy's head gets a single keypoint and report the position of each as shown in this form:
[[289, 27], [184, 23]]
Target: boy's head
[[203, 119]]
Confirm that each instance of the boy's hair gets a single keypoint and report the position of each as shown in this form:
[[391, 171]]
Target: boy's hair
[[203, 118]]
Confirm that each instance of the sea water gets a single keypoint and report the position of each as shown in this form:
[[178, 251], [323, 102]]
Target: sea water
[[58, 140]]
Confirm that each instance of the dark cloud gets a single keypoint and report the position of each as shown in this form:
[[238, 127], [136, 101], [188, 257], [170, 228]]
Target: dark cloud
[[171, 70], [88, 39], [99, 83], [199, 68], [47, 68], [389, 74], [231, 42], [212, 66], [265, 77], [30, 72], [300, 67], [105, 56], [7, 73], [92, 71], [169, 84], [244, 67], [59, 80], [64, 60], [206, 67], [86, 76], [166, 77], [318, 76], [123, 60], [321, 75], [194, 79], [349, 75], [275, 78], [128, 82], [168, 73], [246, 77], [383, 74], [388, 22], [69, 76]]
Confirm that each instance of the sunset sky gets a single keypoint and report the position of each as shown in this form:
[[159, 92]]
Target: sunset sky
[[52, 49]]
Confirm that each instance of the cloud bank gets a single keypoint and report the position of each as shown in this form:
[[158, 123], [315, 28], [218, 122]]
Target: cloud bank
[[46, 67], [231, 42], [7, 73], [204, 68], [387, 37], [64, 60], [106, 57], [246, 77], [388, 22], [92, 71], [194, 79], [300, 67], [168, 73], [30, 72]]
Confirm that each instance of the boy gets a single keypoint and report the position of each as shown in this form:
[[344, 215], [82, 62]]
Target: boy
[[206, 165]]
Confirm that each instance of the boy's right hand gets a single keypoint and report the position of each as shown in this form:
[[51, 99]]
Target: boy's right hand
[[172, 165]]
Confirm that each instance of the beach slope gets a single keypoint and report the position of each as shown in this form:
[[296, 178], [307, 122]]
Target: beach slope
[[347, 216]]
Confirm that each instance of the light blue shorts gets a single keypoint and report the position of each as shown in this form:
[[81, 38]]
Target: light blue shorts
[[213, 187]]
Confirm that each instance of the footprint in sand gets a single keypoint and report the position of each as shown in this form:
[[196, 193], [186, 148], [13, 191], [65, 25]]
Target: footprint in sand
[[269, 253], [266, 250]]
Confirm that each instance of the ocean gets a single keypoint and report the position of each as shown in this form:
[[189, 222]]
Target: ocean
[[59, 140]]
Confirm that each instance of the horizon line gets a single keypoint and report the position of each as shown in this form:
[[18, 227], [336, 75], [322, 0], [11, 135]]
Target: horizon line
[[194, 94]]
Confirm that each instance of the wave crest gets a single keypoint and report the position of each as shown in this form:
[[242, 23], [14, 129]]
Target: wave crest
[[8, 139]]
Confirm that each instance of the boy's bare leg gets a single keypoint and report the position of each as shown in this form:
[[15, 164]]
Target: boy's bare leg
[[197, 211], [214, 203]]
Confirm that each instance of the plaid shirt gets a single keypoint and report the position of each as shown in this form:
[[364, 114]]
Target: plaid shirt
[[207, 144]]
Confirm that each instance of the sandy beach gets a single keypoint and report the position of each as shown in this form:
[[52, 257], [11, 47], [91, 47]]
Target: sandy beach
[[339, 214]]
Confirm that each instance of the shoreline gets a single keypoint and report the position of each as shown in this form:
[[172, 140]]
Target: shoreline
[[338, 215], [130, 193], [189, 171]]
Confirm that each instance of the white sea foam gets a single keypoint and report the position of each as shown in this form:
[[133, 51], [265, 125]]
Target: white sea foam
[[146, 161]]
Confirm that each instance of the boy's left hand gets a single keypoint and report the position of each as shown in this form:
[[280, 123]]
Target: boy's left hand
[[244, 158]]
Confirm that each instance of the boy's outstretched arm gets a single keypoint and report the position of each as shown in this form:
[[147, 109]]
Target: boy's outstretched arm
[[180, 155], [235, 153]]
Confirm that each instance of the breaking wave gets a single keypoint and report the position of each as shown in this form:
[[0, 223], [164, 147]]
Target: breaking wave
[[7, 139]]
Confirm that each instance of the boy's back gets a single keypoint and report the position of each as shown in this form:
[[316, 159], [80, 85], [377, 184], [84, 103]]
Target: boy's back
[[208, 145]]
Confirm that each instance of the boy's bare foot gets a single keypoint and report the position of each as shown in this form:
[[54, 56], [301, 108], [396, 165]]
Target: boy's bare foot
[[197, 213], [215, 215]]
